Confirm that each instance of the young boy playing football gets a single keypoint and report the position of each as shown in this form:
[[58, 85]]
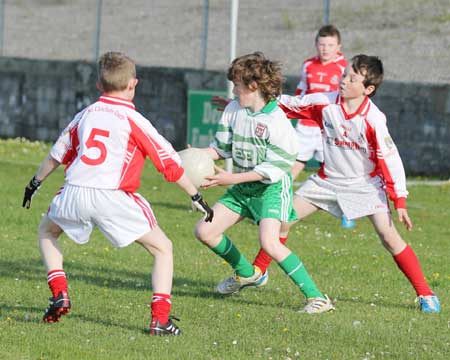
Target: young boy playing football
[[321, 73], [361, 166], [262, 143], [104, 148]]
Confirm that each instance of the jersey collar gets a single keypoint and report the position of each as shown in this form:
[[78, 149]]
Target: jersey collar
[[112, 100], [268, 108], [362, 110]]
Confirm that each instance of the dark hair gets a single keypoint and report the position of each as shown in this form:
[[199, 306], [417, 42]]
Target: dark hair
[[371, 68], [256, 68], [329, 30]]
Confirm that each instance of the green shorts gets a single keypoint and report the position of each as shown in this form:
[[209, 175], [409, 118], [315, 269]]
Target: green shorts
[[258, 201]]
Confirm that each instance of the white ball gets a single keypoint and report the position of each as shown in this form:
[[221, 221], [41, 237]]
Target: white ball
[[197, 165]]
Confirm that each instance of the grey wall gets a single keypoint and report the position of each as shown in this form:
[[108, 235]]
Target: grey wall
[[38, 98]]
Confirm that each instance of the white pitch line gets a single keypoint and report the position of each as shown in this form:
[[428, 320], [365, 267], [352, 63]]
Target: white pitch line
[[410, 183]]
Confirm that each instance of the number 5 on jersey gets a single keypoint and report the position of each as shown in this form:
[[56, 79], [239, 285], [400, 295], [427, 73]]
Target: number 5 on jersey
[[92, 142]]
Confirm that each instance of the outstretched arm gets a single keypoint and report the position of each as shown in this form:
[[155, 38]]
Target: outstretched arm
[[197, 199], [46, 168], [224, 178]]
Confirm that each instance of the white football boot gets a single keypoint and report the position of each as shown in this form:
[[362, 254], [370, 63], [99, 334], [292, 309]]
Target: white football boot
[[235, 282]]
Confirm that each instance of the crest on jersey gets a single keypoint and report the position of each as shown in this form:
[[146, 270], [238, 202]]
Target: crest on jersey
[[335, 79], [260, 129], [389, 142]]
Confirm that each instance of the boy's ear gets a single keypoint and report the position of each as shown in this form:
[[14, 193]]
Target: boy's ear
[[132, 83], [369, 90], [253, 86], [99, 86]]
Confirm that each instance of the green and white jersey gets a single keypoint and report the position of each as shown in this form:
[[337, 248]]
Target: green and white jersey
[[264, 142]]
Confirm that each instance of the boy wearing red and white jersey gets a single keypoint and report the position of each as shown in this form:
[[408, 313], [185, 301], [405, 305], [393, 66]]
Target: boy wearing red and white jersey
[[321, 73], [361, 166], [104, 149]]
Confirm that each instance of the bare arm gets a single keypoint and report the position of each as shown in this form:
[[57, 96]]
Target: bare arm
[[197, 199], [186, 185], [223, 178], [46, 168]]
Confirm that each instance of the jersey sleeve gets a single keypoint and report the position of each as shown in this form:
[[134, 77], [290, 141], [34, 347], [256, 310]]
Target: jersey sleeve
[[222, 142], [305, 107], [390, 165], [281, 150], [163, 156], [65, 148]]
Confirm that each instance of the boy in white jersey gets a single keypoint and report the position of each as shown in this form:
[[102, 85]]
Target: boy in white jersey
[[104, 148], [256, 134], [361, 167]]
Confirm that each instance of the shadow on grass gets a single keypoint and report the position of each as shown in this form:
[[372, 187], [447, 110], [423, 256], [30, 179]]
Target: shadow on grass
[[33, 315], [116, 278]]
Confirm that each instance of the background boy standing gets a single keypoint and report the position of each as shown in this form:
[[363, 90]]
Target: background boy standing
[[361, 166], [256, 134], [104, 149]]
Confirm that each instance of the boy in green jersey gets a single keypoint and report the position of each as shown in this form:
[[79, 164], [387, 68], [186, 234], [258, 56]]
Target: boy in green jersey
[[256, 134]]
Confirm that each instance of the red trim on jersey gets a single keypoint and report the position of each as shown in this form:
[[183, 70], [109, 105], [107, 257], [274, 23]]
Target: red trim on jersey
[[372, 145], [320, 78], [133, 164], [305, 112], [149, 146], [71, 152], [321, 171], [112, 100], [147, 211], [382, 169], [362, 110]]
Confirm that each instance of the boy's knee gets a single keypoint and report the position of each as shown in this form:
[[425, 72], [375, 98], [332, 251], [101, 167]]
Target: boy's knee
[[200, 233], [48, 229], [167, 247], [270, 247], [203, 233]]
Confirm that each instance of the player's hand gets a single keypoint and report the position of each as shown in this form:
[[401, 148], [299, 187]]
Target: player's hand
[[221, 102], [221, 178], [30, 190], [201, 205], [403, 217]]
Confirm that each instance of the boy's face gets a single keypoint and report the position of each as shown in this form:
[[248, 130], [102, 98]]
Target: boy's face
[[328, 48], [352, 85], [245, 95]]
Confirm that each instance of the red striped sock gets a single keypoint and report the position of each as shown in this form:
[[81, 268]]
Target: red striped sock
[[161, 304], [263, 260], [409, 264], [57, 281]]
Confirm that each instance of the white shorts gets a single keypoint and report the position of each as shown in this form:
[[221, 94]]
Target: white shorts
[[122, 217], [352, 200], [311, 146]]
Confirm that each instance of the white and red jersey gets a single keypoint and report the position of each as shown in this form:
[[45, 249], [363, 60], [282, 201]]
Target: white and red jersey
[[317, 77], [106, 144], [357, 147]]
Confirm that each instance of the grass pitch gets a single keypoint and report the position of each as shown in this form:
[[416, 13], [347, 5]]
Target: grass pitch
[[110, 289]]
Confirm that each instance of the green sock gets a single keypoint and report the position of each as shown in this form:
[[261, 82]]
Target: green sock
[[227, 251], [294, 268]]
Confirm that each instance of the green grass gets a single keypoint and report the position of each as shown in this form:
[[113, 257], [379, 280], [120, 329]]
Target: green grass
[[110, 288]]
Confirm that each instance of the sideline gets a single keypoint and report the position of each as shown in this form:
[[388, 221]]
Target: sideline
[[409, 182]]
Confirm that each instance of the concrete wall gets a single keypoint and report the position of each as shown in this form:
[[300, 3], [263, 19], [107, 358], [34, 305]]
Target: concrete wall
[[38, 98]]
